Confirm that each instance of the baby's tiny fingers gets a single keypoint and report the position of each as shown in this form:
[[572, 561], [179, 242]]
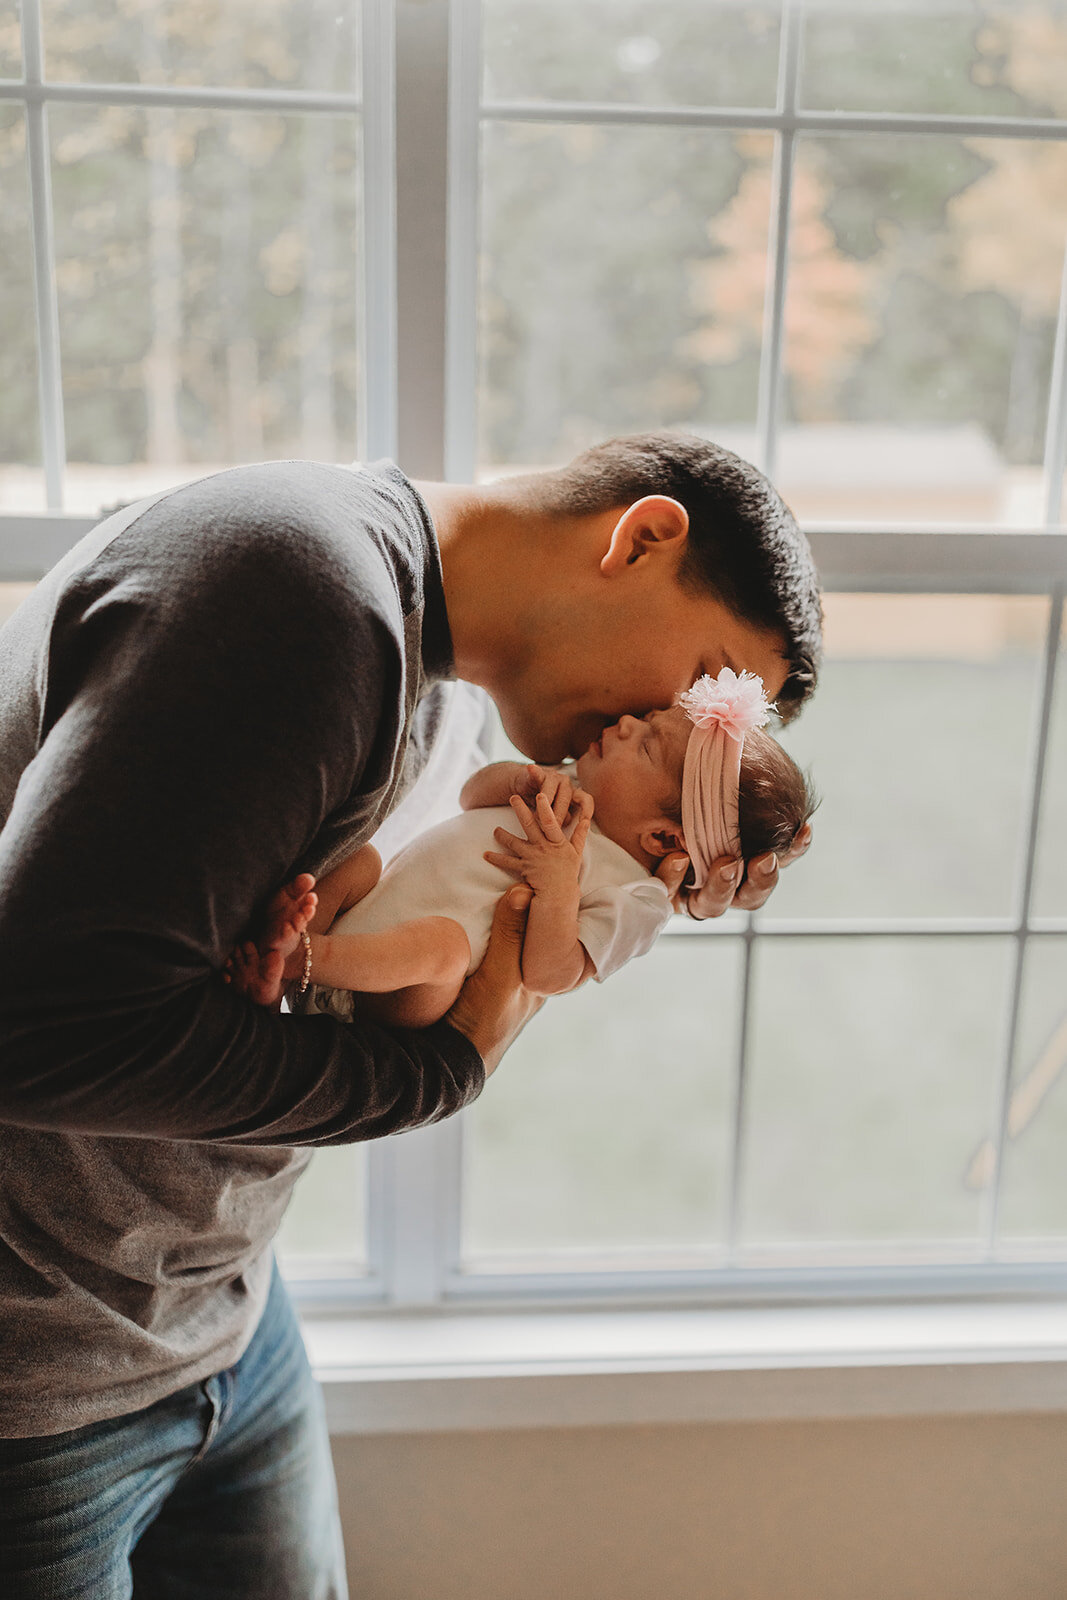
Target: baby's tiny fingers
[[547, 818], [526, 818], [506, 864]]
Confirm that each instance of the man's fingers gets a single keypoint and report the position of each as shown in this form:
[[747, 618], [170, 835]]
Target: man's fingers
[[671, 873], [717, 891], [760, 879], [800, 844]]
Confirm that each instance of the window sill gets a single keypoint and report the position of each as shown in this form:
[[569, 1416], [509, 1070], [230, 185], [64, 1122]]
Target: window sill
[[440, 1371]]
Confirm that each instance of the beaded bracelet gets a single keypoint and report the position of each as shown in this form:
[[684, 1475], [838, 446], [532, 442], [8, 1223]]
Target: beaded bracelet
[[305, 939]]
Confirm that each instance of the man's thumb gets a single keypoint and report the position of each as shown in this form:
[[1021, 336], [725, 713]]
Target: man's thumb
[[509, 924]]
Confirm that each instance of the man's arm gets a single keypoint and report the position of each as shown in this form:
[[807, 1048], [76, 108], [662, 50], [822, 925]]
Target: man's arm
[[194, 741]]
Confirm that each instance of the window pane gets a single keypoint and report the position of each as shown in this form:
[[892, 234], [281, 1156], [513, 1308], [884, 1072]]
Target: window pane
[[207, 270], [325, 1232], [622, 286], [924, 282], [10, 44], [679, 52], [21, 477], [872, 1075], [1050, 867], [607, 1130], [1033, 1214], [970, 57], [256, 44], [919, 741]]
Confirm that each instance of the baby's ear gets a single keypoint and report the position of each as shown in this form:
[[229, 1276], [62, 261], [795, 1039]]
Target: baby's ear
[[662, 838]]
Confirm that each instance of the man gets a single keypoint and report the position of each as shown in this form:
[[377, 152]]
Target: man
[[217, 688]]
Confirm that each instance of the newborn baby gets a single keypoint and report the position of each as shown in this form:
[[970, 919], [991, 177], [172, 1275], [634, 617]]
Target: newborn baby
[[701, 777]]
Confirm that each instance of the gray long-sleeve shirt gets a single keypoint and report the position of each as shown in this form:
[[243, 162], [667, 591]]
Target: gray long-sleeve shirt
[[216, 689]]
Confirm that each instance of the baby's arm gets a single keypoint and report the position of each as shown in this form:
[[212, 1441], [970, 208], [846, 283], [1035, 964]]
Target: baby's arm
[[553, 957], [494, 786]]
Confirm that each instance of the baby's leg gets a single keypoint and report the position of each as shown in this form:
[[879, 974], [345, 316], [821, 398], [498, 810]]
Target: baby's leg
[[418, 1006], [429, 951], [345, 886], [406, 977]]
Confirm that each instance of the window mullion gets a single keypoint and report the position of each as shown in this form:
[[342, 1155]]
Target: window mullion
[[378, 399], [461, 338], [1056, 427], [770, 377], [420, 1191], [419, 1223], [421, 232], [49, 374], [1040, 752]]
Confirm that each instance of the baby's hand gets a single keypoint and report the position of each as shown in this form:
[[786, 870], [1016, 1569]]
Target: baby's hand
[[495, 785], [547, 859]]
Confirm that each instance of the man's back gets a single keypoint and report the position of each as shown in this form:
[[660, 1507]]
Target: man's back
[[213, 690]]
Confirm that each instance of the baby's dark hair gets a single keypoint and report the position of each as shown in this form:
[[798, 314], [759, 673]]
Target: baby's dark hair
[[775, 799]]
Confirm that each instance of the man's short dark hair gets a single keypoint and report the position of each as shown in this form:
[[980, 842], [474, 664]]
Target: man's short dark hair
[[744, 543]]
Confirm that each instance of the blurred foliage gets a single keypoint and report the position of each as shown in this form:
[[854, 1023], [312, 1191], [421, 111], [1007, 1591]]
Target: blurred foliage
[[624, 269], [208, 261]]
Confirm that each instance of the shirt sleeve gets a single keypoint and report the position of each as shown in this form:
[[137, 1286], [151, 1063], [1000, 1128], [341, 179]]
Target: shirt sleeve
[[618, 922], [196, 735]]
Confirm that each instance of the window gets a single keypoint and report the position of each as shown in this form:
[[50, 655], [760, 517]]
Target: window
[[831, 235]]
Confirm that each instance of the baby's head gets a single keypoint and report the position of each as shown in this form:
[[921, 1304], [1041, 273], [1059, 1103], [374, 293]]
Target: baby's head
[[702, 777]]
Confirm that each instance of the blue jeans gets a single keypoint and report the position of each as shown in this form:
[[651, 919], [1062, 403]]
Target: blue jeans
[[223, 1491]]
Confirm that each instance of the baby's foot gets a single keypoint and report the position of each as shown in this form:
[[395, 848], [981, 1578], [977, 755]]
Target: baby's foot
[[256, 973], [258, 970], [288, 915]]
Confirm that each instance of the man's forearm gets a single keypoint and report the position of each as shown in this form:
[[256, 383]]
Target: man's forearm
[[210, 1065]]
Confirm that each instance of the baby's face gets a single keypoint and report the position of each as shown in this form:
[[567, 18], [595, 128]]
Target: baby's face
[[633, 771]]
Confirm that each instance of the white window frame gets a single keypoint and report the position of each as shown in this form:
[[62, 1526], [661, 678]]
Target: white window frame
[[421, 114]]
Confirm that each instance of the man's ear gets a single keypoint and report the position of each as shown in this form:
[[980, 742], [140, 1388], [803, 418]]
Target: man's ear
[[661, 838], [656, 523]]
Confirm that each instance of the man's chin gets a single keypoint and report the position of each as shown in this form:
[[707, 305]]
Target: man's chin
[[547, 746]]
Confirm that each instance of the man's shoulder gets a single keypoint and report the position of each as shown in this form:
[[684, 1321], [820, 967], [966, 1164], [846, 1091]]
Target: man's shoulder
[[342, 540]]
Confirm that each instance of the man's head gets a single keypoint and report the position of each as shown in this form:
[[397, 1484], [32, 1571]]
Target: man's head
[[743, 546], [624, 576]]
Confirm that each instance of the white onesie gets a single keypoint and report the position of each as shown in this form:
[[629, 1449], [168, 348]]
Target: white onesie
[[442, 873]]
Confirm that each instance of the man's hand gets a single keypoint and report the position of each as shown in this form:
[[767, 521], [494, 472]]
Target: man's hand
[[729, 883], [493, 1007]]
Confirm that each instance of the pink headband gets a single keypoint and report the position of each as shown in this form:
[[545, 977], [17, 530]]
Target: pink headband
[[722, 710]]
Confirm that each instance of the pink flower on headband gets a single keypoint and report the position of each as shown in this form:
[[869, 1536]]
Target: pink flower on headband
[[734, 704]]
